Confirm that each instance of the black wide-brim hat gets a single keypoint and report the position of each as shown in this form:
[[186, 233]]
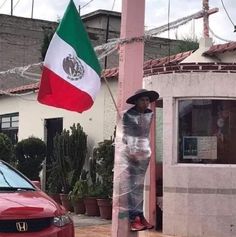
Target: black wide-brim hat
[[152, 95]]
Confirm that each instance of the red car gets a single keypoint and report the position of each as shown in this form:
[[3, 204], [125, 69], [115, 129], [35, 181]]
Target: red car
[[27, 211]]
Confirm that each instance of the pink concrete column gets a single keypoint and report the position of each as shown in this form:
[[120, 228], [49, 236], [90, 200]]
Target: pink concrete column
[[152, 170], [131, 55]]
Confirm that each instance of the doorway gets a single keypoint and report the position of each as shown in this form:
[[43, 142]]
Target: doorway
[[159, 164], [53, 126]]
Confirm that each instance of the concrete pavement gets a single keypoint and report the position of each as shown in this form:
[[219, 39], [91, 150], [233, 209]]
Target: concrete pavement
[[86, 226], [83, 220]]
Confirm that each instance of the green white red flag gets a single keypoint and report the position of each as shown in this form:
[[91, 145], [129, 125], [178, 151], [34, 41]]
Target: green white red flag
[[71, 71]]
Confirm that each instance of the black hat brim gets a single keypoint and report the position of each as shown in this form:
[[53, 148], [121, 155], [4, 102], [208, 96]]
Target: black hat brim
[[152, 95]]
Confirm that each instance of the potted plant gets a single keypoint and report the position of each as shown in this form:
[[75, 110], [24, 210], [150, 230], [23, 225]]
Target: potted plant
[[60, 153], [94, 190], [104, 154], [90, 201], [53, 186], [79, 191]]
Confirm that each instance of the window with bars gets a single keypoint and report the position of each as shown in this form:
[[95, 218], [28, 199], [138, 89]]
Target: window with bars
[[9, 124]]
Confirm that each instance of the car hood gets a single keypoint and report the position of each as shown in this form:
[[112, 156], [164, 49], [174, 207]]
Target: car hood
[[28, 204]]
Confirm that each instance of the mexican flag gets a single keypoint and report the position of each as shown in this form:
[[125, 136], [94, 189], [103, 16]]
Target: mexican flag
[[71, 71]]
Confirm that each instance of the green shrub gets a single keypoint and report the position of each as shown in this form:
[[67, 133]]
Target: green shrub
[[80, 189], [29, 154], [6, 148], [104, 155], [69, 152]]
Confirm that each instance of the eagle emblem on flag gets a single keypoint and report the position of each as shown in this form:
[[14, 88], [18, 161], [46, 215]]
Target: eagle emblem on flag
[[73, 67]]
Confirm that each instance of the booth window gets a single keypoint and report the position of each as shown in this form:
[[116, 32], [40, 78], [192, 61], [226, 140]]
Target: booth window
[[207, 131], [9, 124]]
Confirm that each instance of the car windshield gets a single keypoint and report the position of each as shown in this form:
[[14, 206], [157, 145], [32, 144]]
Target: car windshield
[[11, 180]]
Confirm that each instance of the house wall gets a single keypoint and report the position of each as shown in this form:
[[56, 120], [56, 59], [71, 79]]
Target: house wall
[[227, 57], [100, 22], [98, 122], [199, 199]]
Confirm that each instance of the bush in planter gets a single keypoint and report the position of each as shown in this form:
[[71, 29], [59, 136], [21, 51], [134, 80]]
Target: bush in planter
[[60, 156], [6, 148], [54, 187], [30, 154], [104, 155], [79, 191]]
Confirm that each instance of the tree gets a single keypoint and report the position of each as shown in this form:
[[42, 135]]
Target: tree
[[46, 41], [48, 34], [104, 156], [6, 148], [187, 44]]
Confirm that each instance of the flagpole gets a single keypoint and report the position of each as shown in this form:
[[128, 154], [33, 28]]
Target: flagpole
[[130, 79], [32, 10], [11, 7], [112, 97]]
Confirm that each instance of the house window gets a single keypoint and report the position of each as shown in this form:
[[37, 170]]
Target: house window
[[207, 131], [9, 124]]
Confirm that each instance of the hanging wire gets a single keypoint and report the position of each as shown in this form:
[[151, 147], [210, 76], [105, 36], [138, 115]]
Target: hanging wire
[[174, 24], [15, 95], [16, 4], [13, 9], [193, 28], [86, 4], [113, 5], [227, 13], [168, 30], [3, 4], [218, 37], [168, 19]]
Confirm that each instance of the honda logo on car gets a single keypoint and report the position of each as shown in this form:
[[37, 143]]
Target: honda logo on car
[[21, 226]]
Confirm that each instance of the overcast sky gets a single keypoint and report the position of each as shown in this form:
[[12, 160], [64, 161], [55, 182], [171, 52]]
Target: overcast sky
[[156, 13]]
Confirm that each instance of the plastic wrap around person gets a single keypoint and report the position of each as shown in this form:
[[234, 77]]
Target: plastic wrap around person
[[133, 154]]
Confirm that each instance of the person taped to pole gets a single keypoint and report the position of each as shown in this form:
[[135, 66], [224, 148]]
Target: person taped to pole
[[134, 152]]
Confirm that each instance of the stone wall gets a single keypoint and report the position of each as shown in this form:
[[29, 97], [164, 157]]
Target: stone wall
[[20, 44]]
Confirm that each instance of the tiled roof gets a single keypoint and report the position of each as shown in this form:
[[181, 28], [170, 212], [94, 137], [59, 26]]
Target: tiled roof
[[113, 72], [153, 63], [169, 64], [220, 48], [23, 89]]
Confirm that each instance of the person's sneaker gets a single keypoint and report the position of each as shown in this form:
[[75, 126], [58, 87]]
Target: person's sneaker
[[146, 223], [136, 225]]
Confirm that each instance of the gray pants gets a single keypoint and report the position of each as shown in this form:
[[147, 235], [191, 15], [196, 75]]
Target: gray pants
[[137, 170]]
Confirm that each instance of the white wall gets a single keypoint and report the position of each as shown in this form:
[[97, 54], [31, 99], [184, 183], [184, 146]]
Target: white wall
[[227, 57], [98, 122]]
